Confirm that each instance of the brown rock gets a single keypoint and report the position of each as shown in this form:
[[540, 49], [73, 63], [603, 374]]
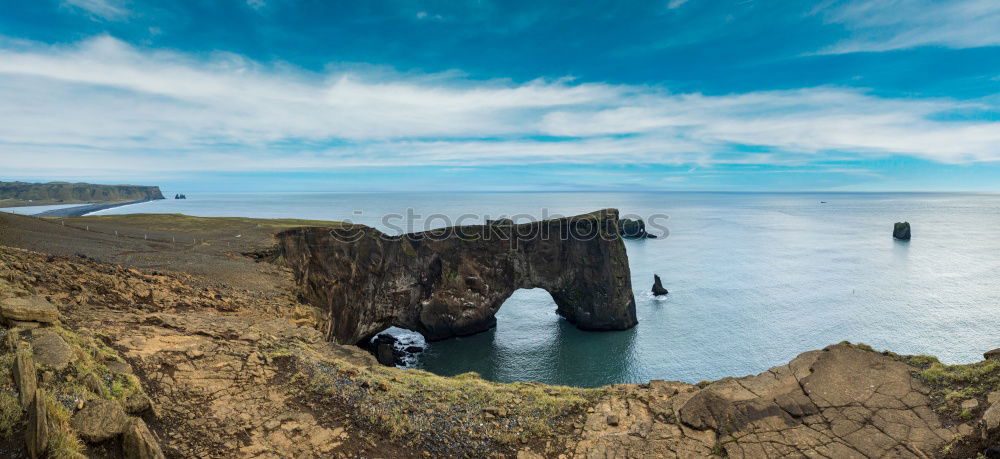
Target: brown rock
[[50, 349], [138, 442], [29, 309], [99, 420], [992, 355], [991, 423], [138, 403], [25, 376], [37, 435], [970, 404], [117, 367]]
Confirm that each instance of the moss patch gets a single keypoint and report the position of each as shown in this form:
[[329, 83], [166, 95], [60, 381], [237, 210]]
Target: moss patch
[[954, 384], [445, 415]]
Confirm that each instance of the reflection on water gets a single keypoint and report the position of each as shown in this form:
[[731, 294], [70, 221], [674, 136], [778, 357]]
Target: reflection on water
[[532, 343]]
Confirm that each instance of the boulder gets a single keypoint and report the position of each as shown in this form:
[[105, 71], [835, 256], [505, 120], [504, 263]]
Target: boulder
[[992, 355], [29, 309], [138, 442], [25, 376], [658, 286], [138, 403], [36, 437], [991, 423], [119, 368], [50, 349], [970, 404], [99, 420], [901, 231]]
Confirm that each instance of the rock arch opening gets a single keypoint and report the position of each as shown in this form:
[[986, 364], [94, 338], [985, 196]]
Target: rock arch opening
[[451, 282]]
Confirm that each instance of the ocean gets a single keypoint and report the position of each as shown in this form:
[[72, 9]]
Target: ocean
[[754, 278]]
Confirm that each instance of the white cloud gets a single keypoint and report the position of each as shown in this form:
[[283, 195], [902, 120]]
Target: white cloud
[[112, 10], [256, 4], [673, 4], [883, 25], [102, 102]]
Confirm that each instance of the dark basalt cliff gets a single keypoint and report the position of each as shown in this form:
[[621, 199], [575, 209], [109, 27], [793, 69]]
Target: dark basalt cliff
[[451, 282], [77, 192]]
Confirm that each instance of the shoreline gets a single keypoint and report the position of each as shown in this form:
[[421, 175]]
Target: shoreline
[[80, 211], [194, 319]]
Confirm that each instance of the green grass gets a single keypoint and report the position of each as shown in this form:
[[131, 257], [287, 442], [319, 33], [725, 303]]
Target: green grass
[[954, 384], [10, 413], [94, 355], [188, 223], [91, 355], [63, 442]]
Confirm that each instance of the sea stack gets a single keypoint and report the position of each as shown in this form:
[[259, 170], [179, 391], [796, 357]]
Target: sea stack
[[658, 286], [634, 229], [901, 231]]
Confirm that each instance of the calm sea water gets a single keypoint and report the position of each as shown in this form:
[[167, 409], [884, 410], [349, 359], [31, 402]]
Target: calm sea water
[[755, 279]]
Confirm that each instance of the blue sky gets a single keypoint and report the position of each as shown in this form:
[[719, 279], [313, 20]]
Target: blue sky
[[503, 95]]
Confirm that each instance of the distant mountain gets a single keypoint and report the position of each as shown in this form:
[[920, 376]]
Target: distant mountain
[[15, 193]]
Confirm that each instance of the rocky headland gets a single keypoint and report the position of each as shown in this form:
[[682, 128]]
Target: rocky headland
[[174, 337], [451, 282], [22, 193]]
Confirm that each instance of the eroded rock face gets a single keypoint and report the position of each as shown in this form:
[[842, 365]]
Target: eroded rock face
[[29, 309], [36, 435], [451, 282], [838, 402], [138, 442]]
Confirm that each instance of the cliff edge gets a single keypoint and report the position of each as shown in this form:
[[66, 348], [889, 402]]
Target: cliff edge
[[22, 193]]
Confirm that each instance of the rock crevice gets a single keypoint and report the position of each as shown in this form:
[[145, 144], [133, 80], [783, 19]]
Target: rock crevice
[[451, 282]]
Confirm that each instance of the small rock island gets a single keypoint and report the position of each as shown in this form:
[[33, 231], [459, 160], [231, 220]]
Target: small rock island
[[658, 286], [901, 231]]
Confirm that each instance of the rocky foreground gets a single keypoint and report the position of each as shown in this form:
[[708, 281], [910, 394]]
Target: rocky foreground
[[145, 353]]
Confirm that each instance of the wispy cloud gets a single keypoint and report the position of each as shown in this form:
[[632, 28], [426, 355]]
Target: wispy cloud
[[111, 10], [105, 102], [674, 4], [883, 25]]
